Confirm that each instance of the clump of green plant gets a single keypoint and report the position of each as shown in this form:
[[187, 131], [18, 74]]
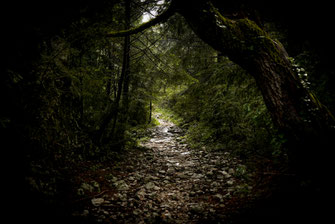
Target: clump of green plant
[[225, 111]]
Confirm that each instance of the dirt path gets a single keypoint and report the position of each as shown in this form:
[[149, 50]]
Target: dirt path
[[167, 183]]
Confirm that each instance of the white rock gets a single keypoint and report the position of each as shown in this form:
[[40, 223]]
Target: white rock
[[85, 213], [149, 186], [224, 172], [231, 171], [230, 182], [219, 197], [121, 185], [171, 170], [97, 201], [227, 175], [87, 187], [141, 194]]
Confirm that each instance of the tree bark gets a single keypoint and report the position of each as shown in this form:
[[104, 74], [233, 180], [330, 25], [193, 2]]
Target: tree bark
[[250, 47], [293, 108], [125, 93], [150, 112], [123, 83], [125, 74], [111, 68]]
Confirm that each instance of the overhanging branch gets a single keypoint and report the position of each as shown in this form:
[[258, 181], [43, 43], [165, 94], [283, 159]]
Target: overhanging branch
[[159, 19]]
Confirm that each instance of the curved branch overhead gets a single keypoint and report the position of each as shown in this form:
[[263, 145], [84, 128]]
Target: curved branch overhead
[[159, 19], [244, 42]]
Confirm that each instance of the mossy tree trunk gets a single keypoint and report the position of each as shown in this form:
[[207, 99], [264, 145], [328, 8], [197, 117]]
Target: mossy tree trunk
[[293, 109]]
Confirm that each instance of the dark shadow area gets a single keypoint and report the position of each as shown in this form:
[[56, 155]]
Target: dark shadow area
[[70, 96]]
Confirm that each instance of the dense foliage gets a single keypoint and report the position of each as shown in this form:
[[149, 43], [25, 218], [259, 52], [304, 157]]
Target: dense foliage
[[68, 96], [219, 105], [58, 101]]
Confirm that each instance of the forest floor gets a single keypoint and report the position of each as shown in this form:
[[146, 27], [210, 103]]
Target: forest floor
[[164, 182]]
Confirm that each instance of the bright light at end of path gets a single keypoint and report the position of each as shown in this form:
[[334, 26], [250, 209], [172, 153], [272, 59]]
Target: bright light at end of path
[[153, 12]]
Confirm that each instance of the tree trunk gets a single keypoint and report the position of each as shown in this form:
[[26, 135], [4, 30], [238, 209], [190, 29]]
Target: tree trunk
[[122, 83], [150, 112], [267, 61], [111, 68], [125, 94]]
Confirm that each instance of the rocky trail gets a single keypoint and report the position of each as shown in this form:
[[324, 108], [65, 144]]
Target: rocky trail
[[166, 183]]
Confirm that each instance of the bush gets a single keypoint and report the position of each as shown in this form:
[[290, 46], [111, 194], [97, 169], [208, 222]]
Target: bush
[[225, 111]]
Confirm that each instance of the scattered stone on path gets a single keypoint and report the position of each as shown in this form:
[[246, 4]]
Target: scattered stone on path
[[167, 183], [121, 185]]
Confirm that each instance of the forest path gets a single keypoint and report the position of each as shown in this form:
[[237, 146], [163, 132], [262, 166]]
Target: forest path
[[167, 183]]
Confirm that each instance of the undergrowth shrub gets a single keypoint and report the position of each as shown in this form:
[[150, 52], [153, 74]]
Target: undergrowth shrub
[[225, 111]]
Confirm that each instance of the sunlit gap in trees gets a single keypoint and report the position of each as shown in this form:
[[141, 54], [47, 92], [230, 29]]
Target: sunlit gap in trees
[[153, 12]]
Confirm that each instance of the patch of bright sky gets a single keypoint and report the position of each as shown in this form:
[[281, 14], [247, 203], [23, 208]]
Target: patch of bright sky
[[153, 13]]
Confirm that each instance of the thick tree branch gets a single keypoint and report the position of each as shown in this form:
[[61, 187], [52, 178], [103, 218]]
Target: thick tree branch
[[159, 19], [245, 43]]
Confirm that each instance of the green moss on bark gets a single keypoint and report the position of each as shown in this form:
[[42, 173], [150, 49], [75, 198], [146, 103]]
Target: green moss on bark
[[247, 38]]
